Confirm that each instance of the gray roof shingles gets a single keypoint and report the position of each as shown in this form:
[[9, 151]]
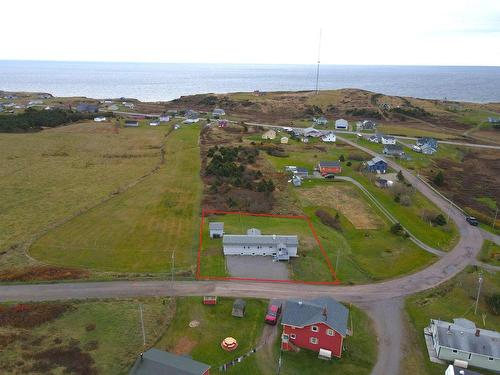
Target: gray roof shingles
[[300, 313], [158, 362], [264, 239]]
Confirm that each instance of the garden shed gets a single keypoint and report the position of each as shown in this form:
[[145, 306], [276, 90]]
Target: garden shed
[[239, 306]]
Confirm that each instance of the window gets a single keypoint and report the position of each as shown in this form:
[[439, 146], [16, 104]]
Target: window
[[330, 332], [314, 328], [455, 351], [293, 336], [490, 359], [313, 340]]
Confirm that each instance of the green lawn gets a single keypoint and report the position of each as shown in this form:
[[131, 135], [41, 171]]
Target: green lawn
[[216, 323], [139, 230], [50, 175], [454, 299], [309, 266], [490, 253], [107, 331], [304, 156]]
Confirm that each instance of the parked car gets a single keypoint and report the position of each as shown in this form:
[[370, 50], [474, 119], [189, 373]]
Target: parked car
[[273, 313], [329, 176], [472, 221]]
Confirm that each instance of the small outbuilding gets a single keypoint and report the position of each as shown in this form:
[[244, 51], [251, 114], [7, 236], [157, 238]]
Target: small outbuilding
[[210, 300], [341, 124], [131, 123], [216, 229], [270, 134], [284, 140], [155, 361], [239, 306]]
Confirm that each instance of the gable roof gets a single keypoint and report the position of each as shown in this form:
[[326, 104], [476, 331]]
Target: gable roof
[[158, 362], [300, 313], [259, 239], [393, 148], [329, 164], [215, 225], [376, 160]]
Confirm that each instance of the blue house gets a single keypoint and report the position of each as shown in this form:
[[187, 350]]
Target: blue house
[[376, 165]]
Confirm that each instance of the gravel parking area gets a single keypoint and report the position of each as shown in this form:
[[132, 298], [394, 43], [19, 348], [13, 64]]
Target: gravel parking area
[[259, 267]]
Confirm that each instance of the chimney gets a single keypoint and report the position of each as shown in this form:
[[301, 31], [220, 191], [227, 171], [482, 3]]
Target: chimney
[[478, 332], [325, 313], [142, 355], [449, 330], [300, 303]]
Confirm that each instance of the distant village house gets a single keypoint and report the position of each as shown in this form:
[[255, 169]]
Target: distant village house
[[341, 124]]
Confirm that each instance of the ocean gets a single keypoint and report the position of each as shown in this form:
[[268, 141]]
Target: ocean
[[155, 81]]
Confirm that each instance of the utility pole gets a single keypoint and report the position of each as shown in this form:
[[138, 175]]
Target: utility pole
[[337, 262], [317, 68], [478, 291], [173, 266], [495, 219], [142, 326]]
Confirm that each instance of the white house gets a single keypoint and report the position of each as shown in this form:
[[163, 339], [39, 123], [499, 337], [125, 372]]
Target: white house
[[311, 132], [463, 341], [341, 124], [270, 134], [282, 247], [330, 137], [164, 118], [217, 112], [387, 140]]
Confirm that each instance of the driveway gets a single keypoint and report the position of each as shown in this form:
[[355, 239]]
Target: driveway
[[258, 267]]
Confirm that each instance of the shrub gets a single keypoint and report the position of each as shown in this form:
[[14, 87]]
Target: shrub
[[493, 302], [342, 158], [439, 220], [400, 176], [328, 220], [398, 230], [348, 163], [438, 179]]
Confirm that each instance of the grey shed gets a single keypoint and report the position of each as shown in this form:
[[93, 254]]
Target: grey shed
[[239, 306], [158, 362]]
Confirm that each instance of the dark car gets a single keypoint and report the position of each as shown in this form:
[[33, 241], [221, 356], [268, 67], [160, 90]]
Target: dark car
[[472, 220], [273, 313], [329, 176]]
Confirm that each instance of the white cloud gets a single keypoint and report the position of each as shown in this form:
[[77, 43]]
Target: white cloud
[[449, 32]]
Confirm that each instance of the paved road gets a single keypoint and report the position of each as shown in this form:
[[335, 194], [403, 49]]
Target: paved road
[[382, 300]]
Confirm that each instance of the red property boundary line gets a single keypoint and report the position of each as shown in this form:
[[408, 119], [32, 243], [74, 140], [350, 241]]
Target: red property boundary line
[[199, 276]]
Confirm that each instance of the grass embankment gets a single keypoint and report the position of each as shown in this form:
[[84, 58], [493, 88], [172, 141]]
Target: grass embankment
[[50, 175], [309, 266], [102, 337], [139, 230], [410, 216], [490, 253], [454, 299], [215, 324]]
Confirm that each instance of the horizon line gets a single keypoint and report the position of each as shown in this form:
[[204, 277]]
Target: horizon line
[[241, 63]]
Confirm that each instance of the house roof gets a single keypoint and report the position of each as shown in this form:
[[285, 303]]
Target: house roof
[[215, 225], [300, 313], [86, 107], [239, 303], [376, 160], [462, 371], [393, 148], [461, 335], [158, 362], [301, 170], [329, 164], [262, 239]]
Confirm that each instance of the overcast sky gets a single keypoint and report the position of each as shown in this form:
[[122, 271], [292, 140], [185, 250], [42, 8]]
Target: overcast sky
[[429, 32]]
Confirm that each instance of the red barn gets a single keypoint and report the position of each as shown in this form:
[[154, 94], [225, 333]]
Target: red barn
[[328, 167], [319, 325]]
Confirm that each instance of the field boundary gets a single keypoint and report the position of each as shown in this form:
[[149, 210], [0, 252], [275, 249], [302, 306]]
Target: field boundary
[[199, 276]]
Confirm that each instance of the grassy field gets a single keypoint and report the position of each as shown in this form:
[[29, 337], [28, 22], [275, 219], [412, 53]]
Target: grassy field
[[49, 176], [309, 266], [215, 324], [490, 253], [454, 299], [139, 230], [410, 216], [102, 337]]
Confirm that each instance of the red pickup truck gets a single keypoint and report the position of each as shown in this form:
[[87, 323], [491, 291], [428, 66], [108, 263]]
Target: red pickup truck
[[273, 313]]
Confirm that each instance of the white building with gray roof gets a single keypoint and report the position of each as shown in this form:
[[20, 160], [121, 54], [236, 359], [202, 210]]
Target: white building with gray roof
[[282, 247], [463, 341]]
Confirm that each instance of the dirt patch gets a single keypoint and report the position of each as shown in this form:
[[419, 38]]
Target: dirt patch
[[71, 358], [345, 200], [184, 346], [43, 273], [31, 315]]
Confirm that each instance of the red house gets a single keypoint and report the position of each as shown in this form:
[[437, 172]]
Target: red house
[[319, 324], [328, 167]]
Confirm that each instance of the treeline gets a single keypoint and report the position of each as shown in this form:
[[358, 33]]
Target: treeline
[[33, 120], [229, 166], [364, 112]]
